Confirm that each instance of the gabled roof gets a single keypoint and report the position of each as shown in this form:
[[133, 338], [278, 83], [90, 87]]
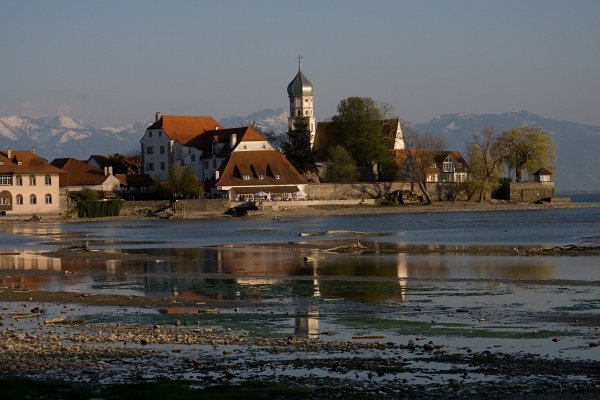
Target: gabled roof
[[250, 162], [184, 128], [401, 155], [205, 140], [135, 180], [441, 156], [542, 171], [25, 162], [78, 173]]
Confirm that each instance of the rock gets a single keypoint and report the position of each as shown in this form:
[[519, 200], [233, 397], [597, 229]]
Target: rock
[[429, 346]]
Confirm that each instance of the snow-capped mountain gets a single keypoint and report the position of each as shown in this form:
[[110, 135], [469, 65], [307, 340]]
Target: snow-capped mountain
[[62, 136], [269, 119]]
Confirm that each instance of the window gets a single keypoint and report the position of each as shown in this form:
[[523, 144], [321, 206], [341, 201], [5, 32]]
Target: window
[[149, 133], [193, 157], [162, 149], [277, 176], [19, 199], [31, 180], [4, 201], [48, 198], [215, 163], [261, 176], [159, 133], [149, 150], [19, 180], [206, 164], [32, 199], [162, 166], [150, 166], [246, 177], [47, 180], [5, 179], [448, 166], [306, 100]]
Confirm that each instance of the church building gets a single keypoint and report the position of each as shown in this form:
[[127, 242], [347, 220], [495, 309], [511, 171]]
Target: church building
[[301, 92]]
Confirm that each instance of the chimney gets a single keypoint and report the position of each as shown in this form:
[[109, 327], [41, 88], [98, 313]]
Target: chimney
[[33, 150], [217, 175], [233, 140], [156, 116], [216, 128], [105, 171], [9, 153]]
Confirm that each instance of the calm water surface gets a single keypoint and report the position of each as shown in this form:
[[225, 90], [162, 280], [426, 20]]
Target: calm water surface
[[501, 296]]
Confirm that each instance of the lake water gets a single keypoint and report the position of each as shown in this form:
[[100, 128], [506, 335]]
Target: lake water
[[516, 303]]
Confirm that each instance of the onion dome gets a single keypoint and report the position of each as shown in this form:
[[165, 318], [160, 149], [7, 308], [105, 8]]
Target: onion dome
[[300, 86]]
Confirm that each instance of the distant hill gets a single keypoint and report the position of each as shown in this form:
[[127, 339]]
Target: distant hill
[[578, 164], [577, 145], [61, 136]]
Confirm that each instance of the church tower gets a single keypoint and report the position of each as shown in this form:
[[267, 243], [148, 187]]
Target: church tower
[[300, 92]]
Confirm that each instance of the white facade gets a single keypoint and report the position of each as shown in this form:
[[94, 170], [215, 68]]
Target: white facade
[[29, 193], [157, 152]]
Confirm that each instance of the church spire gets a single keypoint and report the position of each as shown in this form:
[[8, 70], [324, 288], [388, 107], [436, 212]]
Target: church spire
[[301, 91]]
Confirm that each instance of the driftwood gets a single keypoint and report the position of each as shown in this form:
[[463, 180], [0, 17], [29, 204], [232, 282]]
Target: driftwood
[[63, 320], [85, 246], [557, 250]]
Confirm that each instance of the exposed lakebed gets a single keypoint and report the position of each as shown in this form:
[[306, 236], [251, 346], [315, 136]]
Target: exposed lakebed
[[372, 316]]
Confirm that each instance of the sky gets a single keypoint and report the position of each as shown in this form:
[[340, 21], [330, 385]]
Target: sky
[[114, 62]]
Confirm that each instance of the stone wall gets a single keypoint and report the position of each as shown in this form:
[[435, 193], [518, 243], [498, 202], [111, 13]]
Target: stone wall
[[530, 192], [359, 190], [200, 207]]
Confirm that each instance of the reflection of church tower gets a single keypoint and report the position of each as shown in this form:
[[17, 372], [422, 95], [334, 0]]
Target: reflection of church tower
[[300, 92]]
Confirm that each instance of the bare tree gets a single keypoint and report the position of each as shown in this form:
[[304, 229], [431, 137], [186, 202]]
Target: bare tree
[[485, 160], [418, 157]]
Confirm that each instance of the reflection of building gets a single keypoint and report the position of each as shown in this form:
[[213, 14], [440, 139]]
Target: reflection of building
[[307, 325], [29, 261]]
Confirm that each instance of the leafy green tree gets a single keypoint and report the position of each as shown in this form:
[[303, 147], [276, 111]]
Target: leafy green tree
[[340, 166], [526, 149], [183, 182], [485, 158], [296, 146], [358, 127]]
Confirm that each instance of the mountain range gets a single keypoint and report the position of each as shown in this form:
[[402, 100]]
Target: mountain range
[[577, 164]]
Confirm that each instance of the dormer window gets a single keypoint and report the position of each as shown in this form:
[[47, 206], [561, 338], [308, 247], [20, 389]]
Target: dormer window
[[246, 177], [448, 166], [277, 176], [261, 176]]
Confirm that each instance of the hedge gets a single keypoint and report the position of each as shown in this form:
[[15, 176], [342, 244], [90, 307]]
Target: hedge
[[98, 208]]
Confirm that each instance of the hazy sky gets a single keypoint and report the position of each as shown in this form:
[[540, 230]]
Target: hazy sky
[[115, 62]]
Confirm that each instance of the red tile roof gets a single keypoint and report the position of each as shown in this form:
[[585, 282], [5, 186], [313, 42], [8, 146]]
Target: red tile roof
[[25, 162], [204, 141], [78, 173], [135, 180], [252, 163], [184, 128]]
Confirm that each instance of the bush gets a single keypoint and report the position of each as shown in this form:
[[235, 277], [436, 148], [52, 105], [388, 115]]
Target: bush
[[98, 208]]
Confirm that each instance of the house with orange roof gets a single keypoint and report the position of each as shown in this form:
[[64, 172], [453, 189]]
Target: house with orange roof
[[165, 142], [78, 175], [29, 184]]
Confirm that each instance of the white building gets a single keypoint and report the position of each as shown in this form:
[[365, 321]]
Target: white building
[[28, 184], [166, 142]]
